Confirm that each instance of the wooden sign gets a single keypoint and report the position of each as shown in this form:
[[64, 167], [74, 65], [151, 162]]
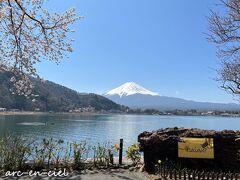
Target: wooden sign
[[196, 148]]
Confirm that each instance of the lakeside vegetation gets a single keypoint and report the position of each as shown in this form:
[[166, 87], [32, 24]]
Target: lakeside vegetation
[[20, 153]]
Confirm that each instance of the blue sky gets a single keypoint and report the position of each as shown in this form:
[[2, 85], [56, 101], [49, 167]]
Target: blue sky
[[159, 44]]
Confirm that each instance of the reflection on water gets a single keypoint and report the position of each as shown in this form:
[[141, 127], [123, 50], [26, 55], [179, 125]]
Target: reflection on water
[[32, 124], [106, 128]]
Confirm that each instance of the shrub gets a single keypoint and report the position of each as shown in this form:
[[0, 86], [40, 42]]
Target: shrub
[[103, 154], [14, 151], [80, 154], [48, 152], [133, 153]]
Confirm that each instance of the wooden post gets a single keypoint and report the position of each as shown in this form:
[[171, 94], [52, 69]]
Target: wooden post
[[179, 174], [193, 175], [184, 175], [208, 175], [175, 174], [203, 175], [170, 174], [227, 176], [120, 151], [213, 176], [222, 176], [199, 174], [164, 172], [236, 176], [157, 169]]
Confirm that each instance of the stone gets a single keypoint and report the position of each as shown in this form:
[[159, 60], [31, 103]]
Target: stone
[[131, 169], [142, 168]]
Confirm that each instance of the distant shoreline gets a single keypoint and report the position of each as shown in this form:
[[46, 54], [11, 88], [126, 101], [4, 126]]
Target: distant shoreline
[[21, 113], [9, 113], [6, 113]]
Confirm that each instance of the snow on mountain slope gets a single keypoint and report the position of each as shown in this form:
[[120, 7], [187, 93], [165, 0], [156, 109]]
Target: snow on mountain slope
[[134, 96], [130, 88]]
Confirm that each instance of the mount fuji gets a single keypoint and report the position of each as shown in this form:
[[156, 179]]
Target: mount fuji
[[135, 96], [130, 88]]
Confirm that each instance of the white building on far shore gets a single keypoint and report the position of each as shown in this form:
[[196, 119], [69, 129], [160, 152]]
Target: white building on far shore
[[2, 109]]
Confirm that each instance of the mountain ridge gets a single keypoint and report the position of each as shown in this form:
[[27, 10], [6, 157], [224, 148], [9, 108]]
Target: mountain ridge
[[51, 97], [145, 101]]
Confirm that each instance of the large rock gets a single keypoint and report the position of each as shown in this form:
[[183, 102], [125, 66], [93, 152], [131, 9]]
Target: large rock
[[163, 145]]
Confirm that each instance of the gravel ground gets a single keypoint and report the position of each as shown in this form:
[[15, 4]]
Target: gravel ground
[[113, 174]]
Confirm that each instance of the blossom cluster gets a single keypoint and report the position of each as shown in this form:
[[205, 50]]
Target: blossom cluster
[[30, 34]]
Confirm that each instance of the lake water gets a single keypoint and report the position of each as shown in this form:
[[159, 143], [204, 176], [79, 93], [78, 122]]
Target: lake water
[[106, 128]]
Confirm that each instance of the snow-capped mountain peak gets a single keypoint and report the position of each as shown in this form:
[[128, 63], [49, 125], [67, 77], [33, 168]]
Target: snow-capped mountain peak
[[130, 88]]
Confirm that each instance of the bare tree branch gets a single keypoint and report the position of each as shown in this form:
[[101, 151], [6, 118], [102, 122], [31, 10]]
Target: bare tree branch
[[224, 31]]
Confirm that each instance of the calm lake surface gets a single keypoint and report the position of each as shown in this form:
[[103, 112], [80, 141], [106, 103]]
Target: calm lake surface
[[106, 128]]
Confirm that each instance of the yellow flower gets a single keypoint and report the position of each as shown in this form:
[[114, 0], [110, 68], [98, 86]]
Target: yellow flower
[[116, 146], [159, 161]]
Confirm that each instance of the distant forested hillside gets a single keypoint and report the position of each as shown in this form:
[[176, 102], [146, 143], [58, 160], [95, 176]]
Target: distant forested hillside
[[49, 96]]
